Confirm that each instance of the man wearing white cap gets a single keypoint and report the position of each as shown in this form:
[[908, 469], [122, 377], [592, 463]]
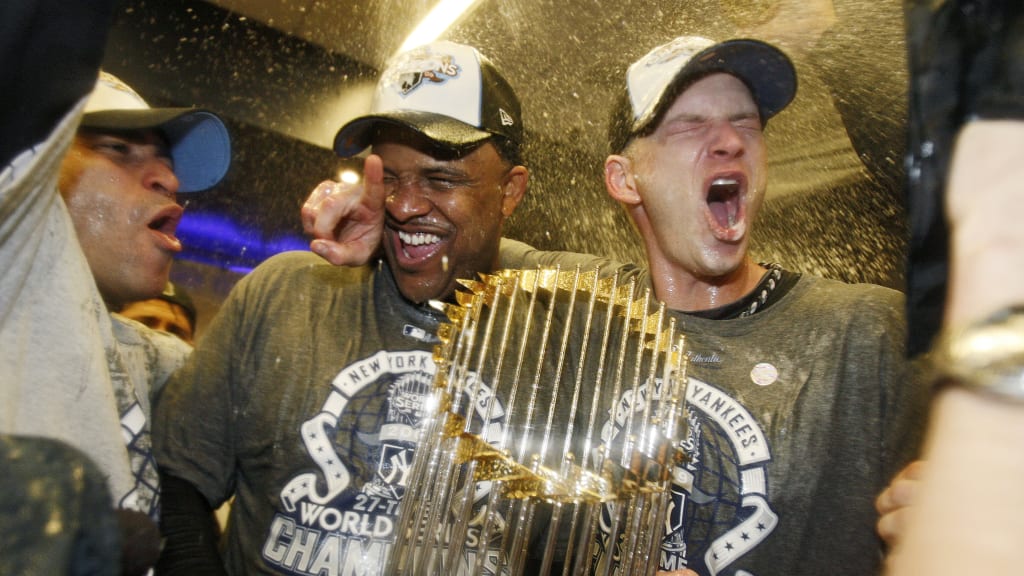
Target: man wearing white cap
[[801, 402], [305, 395]]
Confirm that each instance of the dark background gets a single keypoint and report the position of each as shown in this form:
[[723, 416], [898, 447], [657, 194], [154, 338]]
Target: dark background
[[286, 74]]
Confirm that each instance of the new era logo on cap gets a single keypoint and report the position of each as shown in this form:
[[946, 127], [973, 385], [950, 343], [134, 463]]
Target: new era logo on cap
[[448, 92]]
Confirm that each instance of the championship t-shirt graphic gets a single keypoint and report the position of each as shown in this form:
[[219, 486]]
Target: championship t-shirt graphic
[[720, 507], [339, 518]]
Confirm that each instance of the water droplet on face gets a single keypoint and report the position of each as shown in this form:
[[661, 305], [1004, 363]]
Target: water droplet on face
[[444, 263]]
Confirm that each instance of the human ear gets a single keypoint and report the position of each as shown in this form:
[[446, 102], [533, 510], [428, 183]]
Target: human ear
[[513, 188], [620, 180]]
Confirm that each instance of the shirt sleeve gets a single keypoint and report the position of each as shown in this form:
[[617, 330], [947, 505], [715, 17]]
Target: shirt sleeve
[[193, 414], [514, 254], [50, 53], [904, 389]]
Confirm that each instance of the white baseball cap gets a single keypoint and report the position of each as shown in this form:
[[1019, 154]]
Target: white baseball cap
[[655, 81]]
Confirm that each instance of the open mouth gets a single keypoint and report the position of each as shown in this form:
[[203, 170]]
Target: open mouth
[[165, 224], [418, 245], [724, 201]]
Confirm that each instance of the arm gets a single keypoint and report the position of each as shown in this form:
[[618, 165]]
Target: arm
[[189, 529], [187, 523], [193, 442], [985, 201], [50, 52], [968, 514], [974, 450]]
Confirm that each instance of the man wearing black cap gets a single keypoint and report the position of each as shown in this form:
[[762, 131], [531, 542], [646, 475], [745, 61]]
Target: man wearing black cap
[[304, 398], [801, 403], [171, 311]]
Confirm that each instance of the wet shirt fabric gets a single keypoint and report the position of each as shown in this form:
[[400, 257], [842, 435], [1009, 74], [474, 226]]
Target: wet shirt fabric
[[304, 399], [72, 372], [799, 415]]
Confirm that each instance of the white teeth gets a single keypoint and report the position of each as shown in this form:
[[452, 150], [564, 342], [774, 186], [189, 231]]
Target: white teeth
[[725, 182], [418, 239]]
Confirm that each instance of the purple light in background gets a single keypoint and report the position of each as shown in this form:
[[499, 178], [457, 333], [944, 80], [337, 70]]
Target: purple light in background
[[219, 241]]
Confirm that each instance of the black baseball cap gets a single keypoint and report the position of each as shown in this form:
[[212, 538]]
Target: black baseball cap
[[655, 81], [177, 295], [446, 91]]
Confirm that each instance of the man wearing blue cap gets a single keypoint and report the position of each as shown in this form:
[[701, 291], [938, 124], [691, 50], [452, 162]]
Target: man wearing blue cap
[[304, 398], [75, 382], [73, 371], [120, 180]]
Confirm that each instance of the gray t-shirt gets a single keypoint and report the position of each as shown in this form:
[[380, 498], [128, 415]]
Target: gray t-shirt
[[800, 415], [303, 399]]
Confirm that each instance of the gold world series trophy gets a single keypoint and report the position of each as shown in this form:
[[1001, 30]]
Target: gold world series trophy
[[554, 426]]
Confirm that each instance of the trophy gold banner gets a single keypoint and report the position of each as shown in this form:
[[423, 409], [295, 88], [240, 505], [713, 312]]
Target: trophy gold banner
[[554, 426]]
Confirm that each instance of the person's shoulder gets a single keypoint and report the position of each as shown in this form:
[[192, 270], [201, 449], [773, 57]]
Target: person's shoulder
[[514, 254], [858, 302], [282, 278], [290, 260], [297, 265], [304, 260], [853, 291]]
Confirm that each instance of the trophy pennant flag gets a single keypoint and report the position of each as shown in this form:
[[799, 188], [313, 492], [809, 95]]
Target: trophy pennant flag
[[555, 422]]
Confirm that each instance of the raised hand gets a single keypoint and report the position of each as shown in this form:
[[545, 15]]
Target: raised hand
[[347, 220]]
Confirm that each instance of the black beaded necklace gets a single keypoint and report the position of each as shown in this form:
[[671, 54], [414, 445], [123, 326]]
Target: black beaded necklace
[[772, 286]]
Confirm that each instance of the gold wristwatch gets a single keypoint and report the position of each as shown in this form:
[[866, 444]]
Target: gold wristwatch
[[986, 356]]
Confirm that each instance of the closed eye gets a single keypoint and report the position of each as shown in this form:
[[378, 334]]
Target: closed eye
[[685, 126], [117, 147], [439, 183], [748, 123]]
